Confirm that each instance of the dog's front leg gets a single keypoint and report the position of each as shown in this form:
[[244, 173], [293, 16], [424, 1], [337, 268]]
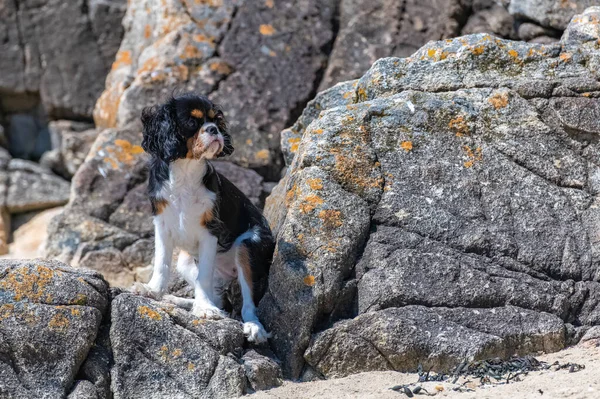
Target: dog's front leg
[[204, 306], [163, 253]]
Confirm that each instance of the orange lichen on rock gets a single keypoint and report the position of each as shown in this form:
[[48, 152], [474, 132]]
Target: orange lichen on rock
[[290, 196], [406, 146], [566, 57], [28, 284], [472, 155], [58, 322], [310, 202], [309, 280], [266, 30], [513, 54], [459, 126], [123, 58], [147, 31], [145, 311], [499, 100], [220, 67], [75, 312], [478, 50], [295, 142], [315, 183], [191, 51], [122, 152], [105, 112], [318, 131], [269, 3], [263, 154], [190, 366], [331, 218]]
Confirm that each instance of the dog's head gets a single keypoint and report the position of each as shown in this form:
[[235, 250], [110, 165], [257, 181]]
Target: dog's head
[[187, 126]]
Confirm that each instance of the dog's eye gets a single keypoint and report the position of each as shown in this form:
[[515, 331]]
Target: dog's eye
[[192, 123]]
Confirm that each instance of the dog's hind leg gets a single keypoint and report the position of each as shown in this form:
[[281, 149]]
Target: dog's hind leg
[[253, 329]]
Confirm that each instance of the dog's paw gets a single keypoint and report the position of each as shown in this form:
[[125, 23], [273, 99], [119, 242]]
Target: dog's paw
[[255, 332], [145, 290], [208, 312]]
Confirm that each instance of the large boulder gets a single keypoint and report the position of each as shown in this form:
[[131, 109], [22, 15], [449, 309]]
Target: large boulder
[[42, 48], [259, 60], [49, 318], [451, 192]]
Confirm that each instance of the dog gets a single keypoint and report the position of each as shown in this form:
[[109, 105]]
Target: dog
[[221, 235]]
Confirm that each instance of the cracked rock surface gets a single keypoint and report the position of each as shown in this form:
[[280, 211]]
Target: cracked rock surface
[[451, 194], [63, 333]]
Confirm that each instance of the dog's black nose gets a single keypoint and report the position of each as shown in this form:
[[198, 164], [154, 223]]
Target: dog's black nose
[[212, 130]]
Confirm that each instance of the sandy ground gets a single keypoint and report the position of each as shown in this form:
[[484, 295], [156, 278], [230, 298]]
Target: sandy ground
[[584, 384]]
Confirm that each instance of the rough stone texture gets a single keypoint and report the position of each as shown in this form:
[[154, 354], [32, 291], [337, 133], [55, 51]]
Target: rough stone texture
[[401, 338], [443, 185], [549, 13], [71, 142], [42, 47], [262, 371], [107, 225], [31, 187], [165, 351], [258, 59], [49, 316]]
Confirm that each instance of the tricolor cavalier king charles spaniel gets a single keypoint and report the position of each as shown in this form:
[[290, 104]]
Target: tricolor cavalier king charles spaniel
[[220, 234]]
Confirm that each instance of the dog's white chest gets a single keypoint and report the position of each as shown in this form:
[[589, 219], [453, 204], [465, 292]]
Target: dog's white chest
[[188, 205]]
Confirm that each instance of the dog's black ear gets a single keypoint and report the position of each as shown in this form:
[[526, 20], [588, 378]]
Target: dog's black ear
[[160, 137], [224, 129]]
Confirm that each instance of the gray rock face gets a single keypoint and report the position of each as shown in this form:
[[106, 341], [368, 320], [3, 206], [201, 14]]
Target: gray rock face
[[31, 187], [49, 316], [258, 60], [462, 177], [71, 142], [166, 350], [549, 13], [42, 52]]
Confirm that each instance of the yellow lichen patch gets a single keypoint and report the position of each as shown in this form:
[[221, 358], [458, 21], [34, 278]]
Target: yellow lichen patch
[[105, 112], [148, 66], [6, 310], [263, 154], [197, 322], [472, 155], [205, 39], [28, 283], [58, 322], [309, 280], [220, 67], [295, 142], [315, 184], [145, 311], [406, 145], [310, 202], [355, 170], [176, 353], [191, 51], [513, 54], [123, 58], [331, 218], [431, 52], [122, 152], [459, 126], [147, 31], [566, 57], [75, 312], [361, 93], [291, 195], [499, 100], [190, 366], [266, 30], [318, 131], [347, 95], [248, 142], [586, 94], [478, 50]]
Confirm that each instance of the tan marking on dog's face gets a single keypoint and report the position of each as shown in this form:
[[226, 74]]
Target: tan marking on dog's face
[[206, 217], [195, 147], [196, 113], [211, 114], [160, 205], [244, 259]]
